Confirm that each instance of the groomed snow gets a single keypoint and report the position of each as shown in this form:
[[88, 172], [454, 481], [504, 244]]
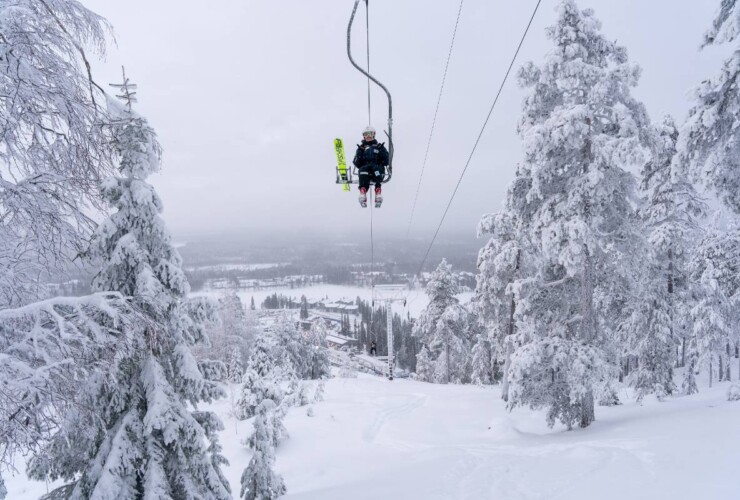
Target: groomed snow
[[374, 439]]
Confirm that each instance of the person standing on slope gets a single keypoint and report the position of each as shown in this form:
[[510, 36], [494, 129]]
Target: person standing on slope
[[371, 159]]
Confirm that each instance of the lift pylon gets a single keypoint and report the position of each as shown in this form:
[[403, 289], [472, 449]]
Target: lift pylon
[[388, 294]]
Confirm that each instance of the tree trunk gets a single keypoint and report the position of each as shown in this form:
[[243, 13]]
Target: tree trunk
[[587, 410], [683, 351], [588, 331], [509, 333], [710, 372], [670, 291], [447, 351], [505, 377]]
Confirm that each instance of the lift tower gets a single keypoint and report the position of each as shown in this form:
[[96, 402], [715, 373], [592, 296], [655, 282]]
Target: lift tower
[[388, 294]]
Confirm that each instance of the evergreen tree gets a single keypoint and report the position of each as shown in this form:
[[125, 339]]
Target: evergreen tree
[[442, 328], [291, 350], [499, 265], [259, 481], [715, 314], [710, 140], [689, 375], [673, 207], [234, 368], [260, 381], [424, 365], [482, 362], [135, 435], [304, 307], [657, 323], [581, 127], [319, 365]]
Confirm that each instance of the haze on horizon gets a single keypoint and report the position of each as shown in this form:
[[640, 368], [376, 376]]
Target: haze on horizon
[[247, 96]]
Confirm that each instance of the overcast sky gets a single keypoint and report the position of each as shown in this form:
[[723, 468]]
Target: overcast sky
[[247, 96]]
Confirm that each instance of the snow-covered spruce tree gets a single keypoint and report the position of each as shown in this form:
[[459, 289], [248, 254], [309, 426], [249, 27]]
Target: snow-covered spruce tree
[[238, 334], [442, 328], [499, 264], [453, 344], [291, 349], [139, 438], [424, 365], [658, 324], [304, 307], [319, 365], [688, 385], [482, 362], [47, 348], [580, 127], [709, 143], [260, 381], [234, 368], [259, 481], [715, 315], [53, 153]]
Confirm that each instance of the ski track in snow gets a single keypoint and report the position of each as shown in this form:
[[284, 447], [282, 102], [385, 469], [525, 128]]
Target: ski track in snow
[[409, 404], [402, 440]]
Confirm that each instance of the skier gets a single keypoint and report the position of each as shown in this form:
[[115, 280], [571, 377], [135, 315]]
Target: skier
[[373, 349], [371, 159]]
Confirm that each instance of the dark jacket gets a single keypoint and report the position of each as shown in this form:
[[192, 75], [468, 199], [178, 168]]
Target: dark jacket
[[371, 154]]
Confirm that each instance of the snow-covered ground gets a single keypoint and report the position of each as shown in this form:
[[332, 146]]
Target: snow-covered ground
[[416, 300], [373, 439]]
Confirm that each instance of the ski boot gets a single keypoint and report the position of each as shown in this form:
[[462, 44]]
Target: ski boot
[[363, 197], [378, 198]]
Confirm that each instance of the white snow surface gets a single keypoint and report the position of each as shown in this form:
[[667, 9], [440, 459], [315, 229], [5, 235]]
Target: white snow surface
[[406, 440], [371, 439]]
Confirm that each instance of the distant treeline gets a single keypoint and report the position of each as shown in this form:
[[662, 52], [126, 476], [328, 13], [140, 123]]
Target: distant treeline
[[355, 274], [276, 301]]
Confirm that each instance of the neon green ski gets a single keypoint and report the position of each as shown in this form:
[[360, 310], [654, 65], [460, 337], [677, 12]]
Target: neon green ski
[[341, 164]]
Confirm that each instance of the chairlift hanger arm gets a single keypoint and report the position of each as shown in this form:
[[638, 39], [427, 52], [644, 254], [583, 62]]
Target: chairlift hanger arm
[[389, 132]]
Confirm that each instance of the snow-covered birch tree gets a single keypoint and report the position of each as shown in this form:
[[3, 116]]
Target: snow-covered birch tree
[[53, 148]]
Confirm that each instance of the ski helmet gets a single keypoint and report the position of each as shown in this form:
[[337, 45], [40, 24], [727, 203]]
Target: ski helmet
[[369, 130]]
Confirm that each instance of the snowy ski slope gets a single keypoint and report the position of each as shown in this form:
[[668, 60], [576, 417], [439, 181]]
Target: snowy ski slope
[[374, 439], [371, 439]]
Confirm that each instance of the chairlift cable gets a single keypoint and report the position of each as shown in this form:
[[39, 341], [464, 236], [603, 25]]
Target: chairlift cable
[[480, 135], [367, 45], [434, 119], [369, 122]]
